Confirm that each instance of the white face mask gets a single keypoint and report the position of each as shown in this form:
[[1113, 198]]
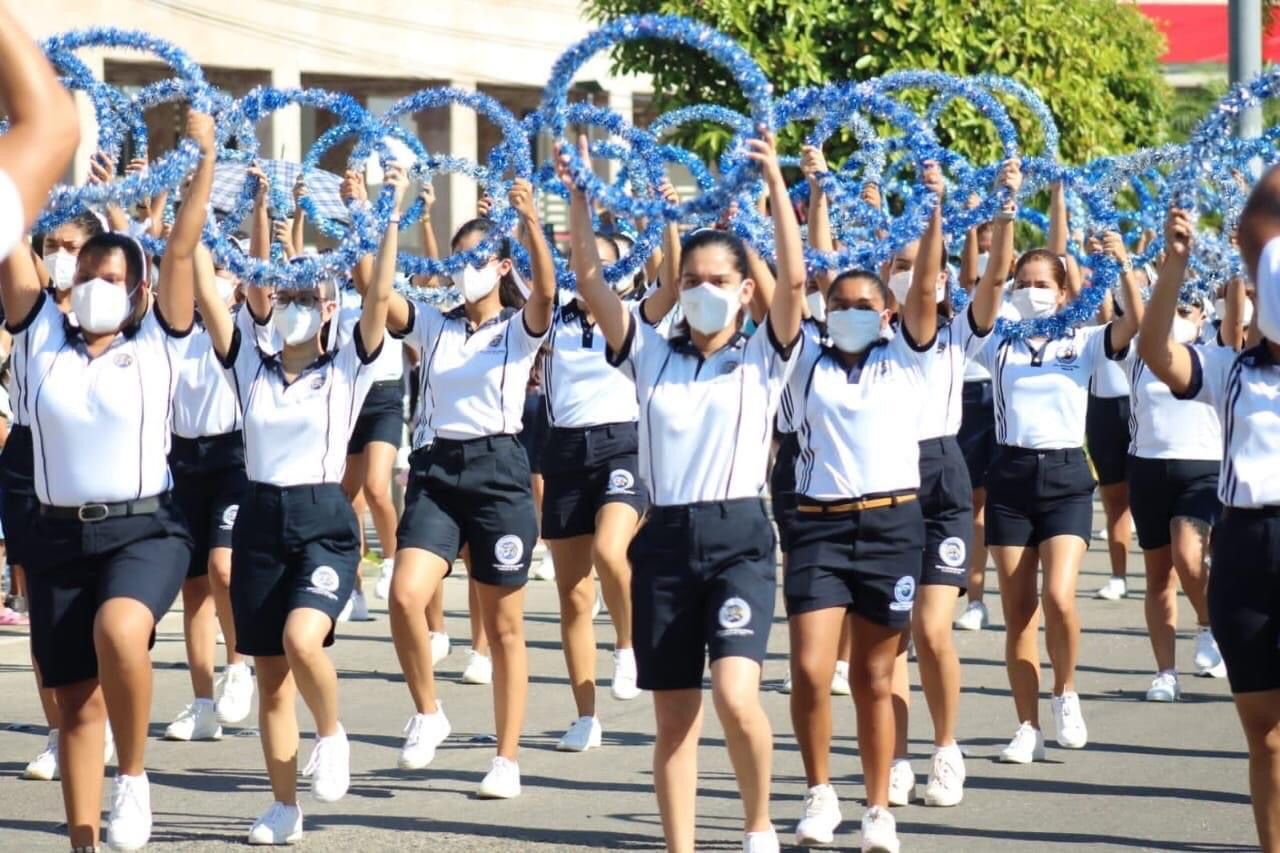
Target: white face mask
[[62, 268], [476, 284], [1034, 302], [1184, 331], [296, 324], [226, 287], [1219, 308], [853, 329], [100, 306], [983, 260], [899, 284], [709, 308], [817, 305]]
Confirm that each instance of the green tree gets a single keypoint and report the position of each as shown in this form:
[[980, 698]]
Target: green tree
[[1095, 62]]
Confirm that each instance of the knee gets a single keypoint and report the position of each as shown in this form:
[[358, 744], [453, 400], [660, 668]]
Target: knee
[[933, 639], [673, 725], [1059, 603], [809, 676], [378, 494], [507, 632], [119, 637], [872, 679], [404, 600], [738, 707], [610, 557], [301, 645], [80, 707]]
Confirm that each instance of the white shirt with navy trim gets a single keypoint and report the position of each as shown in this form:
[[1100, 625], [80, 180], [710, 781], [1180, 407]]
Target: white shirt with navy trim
[[1110, 380], [296, 433], [1244, 388], [1161, 426], [11, 221], [389, 365], [858, 426], [958, 345], [204, 402], [813, 332], [705, 423], [100, 426], [472, 381], [582, 389], [1041, 387]]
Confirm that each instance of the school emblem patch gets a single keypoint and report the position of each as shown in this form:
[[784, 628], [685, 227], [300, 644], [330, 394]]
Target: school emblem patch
[[325, 580], [951, 551], [729, 367], [735, 614], [123, 359], [904, 593], [508, 550], [1067, 355], [229, 516], [621, 482], [317, 382]]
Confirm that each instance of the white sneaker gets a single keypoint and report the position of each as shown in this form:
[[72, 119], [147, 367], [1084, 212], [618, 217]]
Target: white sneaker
[[761, 842], [840, 680], [544, 569], [344, 615], [109, 747], [359, 605], [1113, 590], [1164, 688], [1208, 657], [221, 639], [1027, 746], [330, 767], [197, 721], [785, 687], [280, 824], [623, 685], [1069, 721], [974, 618], [946, 777], [44, 767], [479, 669], [502, 782], [422, 734], [440, 647], [879, 831], [129, 827], [236, 696], [585, 733], [821, 817], [902, 783], [382, 588]]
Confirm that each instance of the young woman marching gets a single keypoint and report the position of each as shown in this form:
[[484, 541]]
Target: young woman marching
[[469, 483], [114, 548], [703, 567], [1244, 597]]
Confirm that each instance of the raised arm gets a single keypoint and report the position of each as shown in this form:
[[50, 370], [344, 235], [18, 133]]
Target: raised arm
[[430, 247], [610, 314], [102, 171], [20, 283], [970, 252], [377, 297], [1169, 361], [298, 227], [542, 290], [257, 298], [786, 309], [1129, 312], [662, 300], [213, 311], [920, 313], [813, 164], [990, 291], [1232, 329], [175, 296]]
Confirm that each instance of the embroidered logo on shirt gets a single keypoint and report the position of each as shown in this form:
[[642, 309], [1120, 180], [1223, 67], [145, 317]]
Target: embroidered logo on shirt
[[496, 342], [735, 615], [229, 516], [318, 382], [324, 581], [507, 551], [904, 593], [1067, 354], [951, 552], [729, 367], [123, 359], [621, 482]]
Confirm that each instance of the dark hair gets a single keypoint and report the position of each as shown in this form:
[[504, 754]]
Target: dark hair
[[509, 293], [708, 237], [86, 220], [1059, 269], [106, 242], [868, 275], [613, 244]]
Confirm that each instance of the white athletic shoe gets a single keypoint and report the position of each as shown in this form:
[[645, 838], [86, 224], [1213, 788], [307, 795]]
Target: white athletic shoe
[[109, 747], [479, 668], [879, 831], [583, 734], [946, 777], [280, 824], [129, 826], [623, 685], [502, 782], [1113, 590], [840, 680], [1068, 721], [221, 639], [1164, 688], [902, 783], [330, 767], [440, 647], [821, 817], [765, 841], [1027, 746], [422, 734], [44, 767], [357, 608], [544, 569], [235, 697], [974, 618], [785, 687], [197, 721], [1208, 657], [344, 615], [382, 588]]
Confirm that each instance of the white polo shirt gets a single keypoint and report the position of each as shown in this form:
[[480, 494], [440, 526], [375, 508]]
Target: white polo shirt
[[812, 332], [100, 426], [858, 426], [472, 381], [1244, 389], [389, 365], [1110, 380], [705, 423], [582, 389], [204, 403], [1041, 387], [1163, 427], [11, 224], [958, 345], [296, 433]]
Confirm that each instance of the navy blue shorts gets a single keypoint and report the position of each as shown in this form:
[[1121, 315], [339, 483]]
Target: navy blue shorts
[[946, 501], [867, 561], [703, 581], [1034, 495], [209, 484], [782, 486], [18, 503], [292, 548], [381, 417], [1161, 490], [584, 469], [977, 436], [1244, 597], [80, 565], [475, 493], [534, 428], [1106, 430]]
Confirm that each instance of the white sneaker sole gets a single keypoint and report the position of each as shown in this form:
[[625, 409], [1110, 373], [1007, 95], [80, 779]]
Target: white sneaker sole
[[490, 794], [1162, 698], [234, 719], [1219, 671], [123, 845], [1062, 744], [1009, 758], [292, 838], [808, 840], [881, 848], [39, 776], [475, 679], [945, 801], [624, 695], [405, 764], [897, 799], [216, 735]]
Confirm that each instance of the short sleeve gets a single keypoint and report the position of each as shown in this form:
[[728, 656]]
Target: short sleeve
[[964, 332], [243, 357], [1209, 368], [424, 326], [776, 359], [11, 223], [1096, 347], [641, 342], [525, 341], [903, 351]]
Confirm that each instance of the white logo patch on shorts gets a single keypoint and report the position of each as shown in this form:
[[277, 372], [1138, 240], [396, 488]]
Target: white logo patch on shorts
[[229, 516], [324, 581], [952, 553], [507, 551], [904, 593], [621, 482], [735, 615]]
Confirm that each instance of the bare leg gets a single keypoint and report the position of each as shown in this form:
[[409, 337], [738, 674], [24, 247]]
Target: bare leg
[[220, 586], [379, 458], [81, 739], [577, 636], [200, 630], [1190, 544], [936, 658], [1061, 557], [678, 714], [1160, 606], [1115, 503], [1016, 569], [502, 608], [121, 632], [278, 723], [1260, 716], [813, 662], [871, 676], [313, 671], [735, 689], [978, 554], [615, 527], [415, 581]]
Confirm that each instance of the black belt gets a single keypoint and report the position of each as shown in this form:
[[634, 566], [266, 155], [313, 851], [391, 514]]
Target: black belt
[[102, 511]]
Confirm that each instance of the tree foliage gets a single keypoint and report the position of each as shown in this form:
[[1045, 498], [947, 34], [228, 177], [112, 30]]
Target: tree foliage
[[1096, 62]]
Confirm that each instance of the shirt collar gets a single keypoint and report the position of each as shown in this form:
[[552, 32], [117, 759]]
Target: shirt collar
[[683, 344], [1258, 356]]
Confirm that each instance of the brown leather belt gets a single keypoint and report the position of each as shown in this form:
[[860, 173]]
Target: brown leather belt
[[858, 505]]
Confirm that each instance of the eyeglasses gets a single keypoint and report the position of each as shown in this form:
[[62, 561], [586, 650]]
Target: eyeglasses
[[301, 298]]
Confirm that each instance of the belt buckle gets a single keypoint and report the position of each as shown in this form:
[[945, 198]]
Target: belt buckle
[[93, 512]]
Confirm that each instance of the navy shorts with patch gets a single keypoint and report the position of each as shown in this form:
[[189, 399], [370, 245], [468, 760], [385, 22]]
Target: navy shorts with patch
[[80, 565], [867, 561], [1106, 430], [18, 505], [1034, 495], [1244, 597], [293, 547], [209, 484], [381, 417], [782, 486], [977, 437], [584, 469], [703, 581], [477, 493], [946, 501], [1161, 490]]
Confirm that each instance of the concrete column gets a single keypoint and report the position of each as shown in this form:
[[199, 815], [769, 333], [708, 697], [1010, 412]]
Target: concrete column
[[457, 193], [79, 171], [282, 137], [623, 104]]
